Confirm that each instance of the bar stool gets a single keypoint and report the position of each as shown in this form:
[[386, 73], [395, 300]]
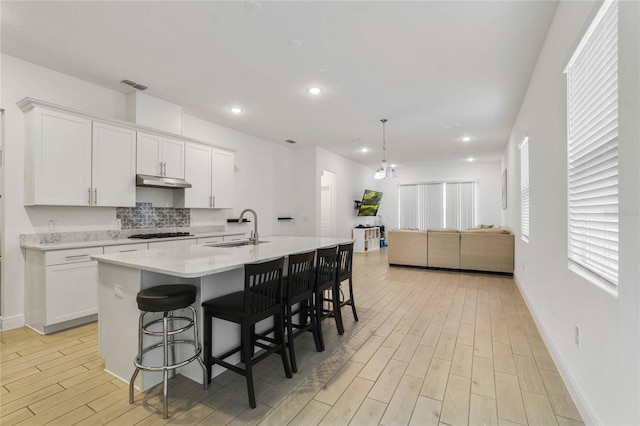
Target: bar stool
[[298, 290], [261, 299], [326, 289], [166, 299], [345, 267]]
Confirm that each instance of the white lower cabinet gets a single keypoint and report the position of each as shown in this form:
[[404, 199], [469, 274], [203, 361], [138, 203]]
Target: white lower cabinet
[[61, 288]]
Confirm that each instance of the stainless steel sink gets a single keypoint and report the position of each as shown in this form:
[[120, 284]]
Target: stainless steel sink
[[234, 244]]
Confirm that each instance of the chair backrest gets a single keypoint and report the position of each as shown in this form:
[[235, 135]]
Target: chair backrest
[[345, 261], [300, 276], [263, 288], [326, 265]]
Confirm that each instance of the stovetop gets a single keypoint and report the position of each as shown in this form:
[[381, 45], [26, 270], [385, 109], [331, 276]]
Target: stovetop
[[161, 235]]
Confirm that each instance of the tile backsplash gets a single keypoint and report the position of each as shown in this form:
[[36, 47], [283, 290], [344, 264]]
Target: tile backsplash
[[144, 216]]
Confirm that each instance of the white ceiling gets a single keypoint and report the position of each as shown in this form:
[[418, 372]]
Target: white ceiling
[[423, 65]]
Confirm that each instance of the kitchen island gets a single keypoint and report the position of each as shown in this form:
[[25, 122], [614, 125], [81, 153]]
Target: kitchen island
[[214, 271]]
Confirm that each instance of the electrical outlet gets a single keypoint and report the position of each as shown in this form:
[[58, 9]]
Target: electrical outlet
[[118, 290], [52, 224], [577, 336]]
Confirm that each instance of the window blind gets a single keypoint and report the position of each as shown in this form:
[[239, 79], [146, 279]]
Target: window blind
[[421, 206], [592, 86], [460, 205], [524, 189], [437, 205]]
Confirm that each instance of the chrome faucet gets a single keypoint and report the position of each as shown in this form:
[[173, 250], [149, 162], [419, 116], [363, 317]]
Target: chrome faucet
[[253, 239]]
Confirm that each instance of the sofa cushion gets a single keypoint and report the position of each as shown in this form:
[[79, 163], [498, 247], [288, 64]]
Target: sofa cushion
[[485, 231], [450, 230], [407, 247]]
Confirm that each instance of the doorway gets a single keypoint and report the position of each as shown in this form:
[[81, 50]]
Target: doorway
[[328, 187]]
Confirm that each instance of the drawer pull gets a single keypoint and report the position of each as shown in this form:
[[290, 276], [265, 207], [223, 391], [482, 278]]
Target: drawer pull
[[127, 251], [77, 256]]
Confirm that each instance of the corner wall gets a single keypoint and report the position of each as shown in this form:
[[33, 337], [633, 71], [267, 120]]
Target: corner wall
[[603, 373]]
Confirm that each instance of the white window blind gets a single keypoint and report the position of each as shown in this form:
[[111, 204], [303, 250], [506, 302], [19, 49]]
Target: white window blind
[[524, 189], [592, 100], [421, 206], [437, 205], [460, 205]]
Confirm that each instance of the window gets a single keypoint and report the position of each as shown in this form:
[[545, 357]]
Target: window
[[592, 101], [437, 205], [524, 189]]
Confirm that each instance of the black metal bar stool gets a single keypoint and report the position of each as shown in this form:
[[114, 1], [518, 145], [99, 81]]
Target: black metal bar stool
[[298, 290], [167, 299], [345, 267], [261, 299]]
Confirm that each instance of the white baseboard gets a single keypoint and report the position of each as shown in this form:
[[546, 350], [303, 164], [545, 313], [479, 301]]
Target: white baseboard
[[589, 417], [9, 323]]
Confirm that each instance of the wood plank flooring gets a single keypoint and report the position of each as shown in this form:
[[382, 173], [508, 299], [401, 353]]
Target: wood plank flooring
[[431, 348]]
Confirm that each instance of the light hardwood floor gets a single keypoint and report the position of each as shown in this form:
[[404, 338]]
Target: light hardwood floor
[[431, 347]]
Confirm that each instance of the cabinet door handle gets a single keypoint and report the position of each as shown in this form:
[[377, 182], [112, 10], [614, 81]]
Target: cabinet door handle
[[213, 201], [89, 195], [164, 168], [127, 251], [95, 196], [77, 256]]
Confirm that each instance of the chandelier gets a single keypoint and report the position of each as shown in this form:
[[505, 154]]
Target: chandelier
[[384, 171]]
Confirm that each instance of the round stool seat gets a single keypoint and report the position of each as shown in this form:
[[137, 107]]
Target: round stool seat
[[166, 298]]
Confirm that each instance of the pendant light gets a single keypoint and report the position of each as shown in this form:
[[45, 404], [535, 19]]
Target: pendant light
[[384, 171]]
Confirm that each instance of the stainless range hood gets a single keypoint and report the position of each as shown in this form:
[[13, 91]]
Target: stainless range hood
[[161, 182]]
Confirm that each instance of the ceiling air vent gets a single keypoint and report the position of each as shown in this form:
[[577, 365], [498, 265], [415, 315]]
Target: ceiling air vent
[[291, 141], [134, 84]]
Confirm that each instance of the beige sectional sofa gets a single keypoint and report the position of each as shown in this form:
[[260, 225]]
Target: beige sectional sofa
[[489, 249]]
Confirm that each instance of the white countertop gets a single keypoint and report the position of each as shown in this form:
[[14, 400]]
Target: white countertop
[[200, 260], [99, 243]]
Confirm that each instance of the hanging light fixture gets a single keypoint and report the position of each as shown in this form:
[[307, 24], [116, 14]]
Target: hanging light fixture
[[384, 171]]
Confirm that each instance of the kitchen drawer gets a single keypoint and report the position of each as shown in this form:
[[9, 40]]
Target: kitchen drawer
[[123, 248], [171, 244], [61, 257], [210, 240]]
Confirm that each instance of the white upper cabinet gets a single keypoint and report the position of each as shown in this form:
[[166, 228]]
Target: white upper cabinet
[[58, 159], [222, 180], [210, 172], [72, 161], [197, 171], [114, 166], [160, 156]]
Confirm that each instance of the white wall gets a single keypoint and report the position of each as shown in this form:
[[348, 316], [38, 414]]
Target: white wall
[[488, 189], [603, 374]]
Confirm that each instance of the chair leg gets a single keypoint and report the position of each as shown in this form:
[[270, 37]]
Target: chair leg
[[198, 348], [248, 362], [290, 338], [337, 314], [165, 372], [279, 337], [317, 312], [317, 332], [138, 358], [351, 299], [207, 337]]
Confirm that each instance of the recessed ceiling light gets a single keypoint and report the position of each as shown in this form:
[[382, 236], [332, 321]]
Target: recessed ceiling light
[[393, 165], [236, 110], [466, 139], [295, 44], [314, 90], [364, 150], [470, 159]]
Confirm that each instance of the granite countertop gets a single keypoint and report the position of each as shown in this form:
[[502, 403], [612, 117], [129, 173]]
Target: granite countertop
[[58, 241], [200, 260]]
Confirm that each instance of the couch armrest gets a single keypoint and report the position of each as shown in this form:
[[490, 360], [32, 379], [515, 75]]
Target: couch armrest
[[407, 248], [486, 251]]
